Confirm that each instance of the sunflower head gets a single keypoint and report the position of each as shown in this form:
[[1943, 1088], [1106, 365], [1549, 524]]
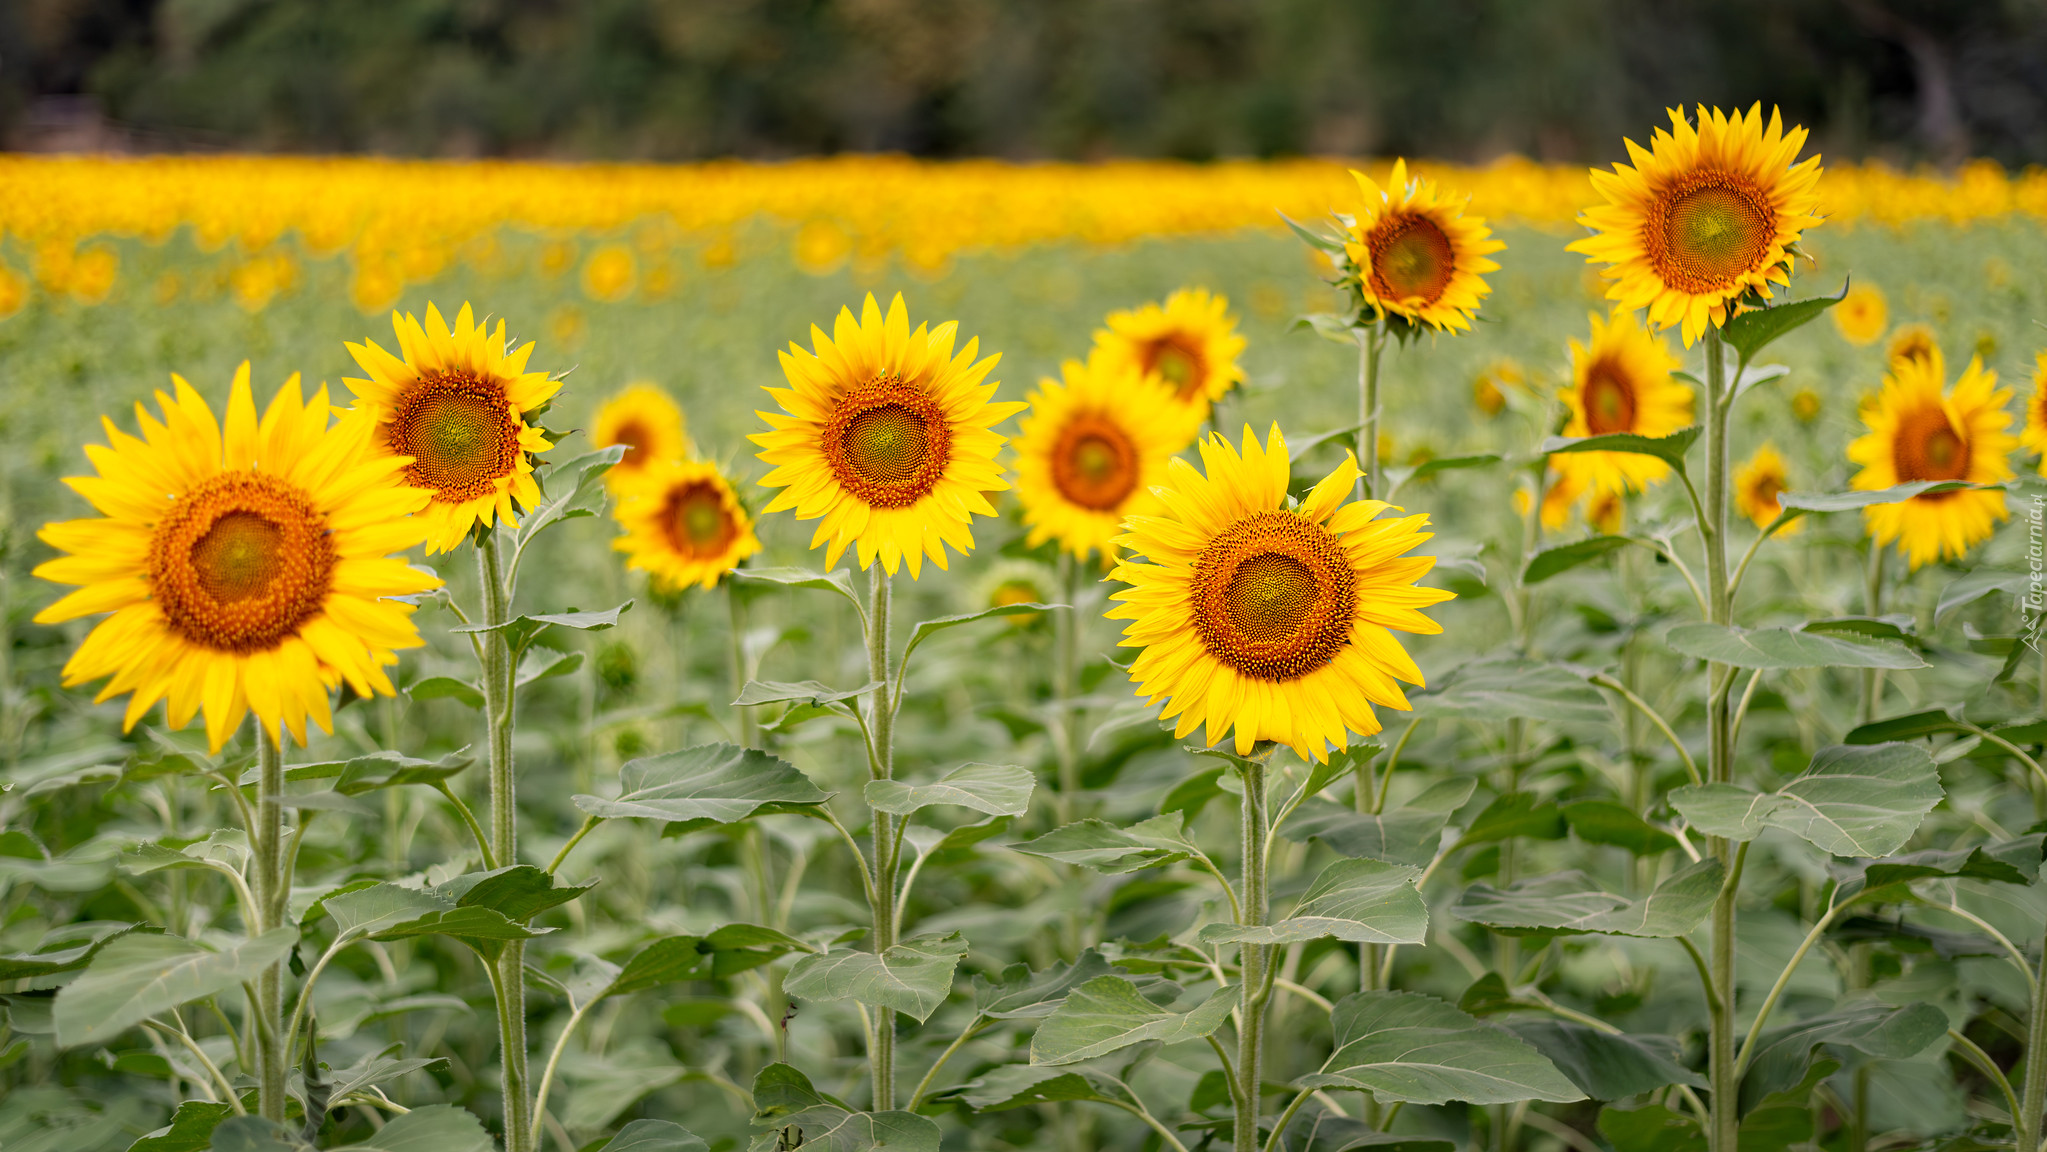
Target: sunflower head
[[1705, 216], [246, 564], [1805, 405], [885, 437], [1758, 483], [683, 525], [459, 404], [1271, 619], [1918, 433], [1413, 254], [1912, 342], [2034, 435], [1862, 316], [1011, 582], [1621, 382], [1190, 343], [649, 423]]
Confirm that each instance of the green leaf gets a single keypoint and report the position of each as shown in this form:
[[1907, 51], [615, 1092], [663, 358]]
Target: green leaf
[[1429, 468], [1606, 1066], [1896, 627], [1313, 240], [783, 1097], [190, 1130], [1364, 901], [662, 962], [390, 770], [925, 629], [1783, 1054], [378, 906], [1564, 557], [1016, 1085], [1516, 814], [1314, 1131], [1108, 1013], [1983, 581], [474, 926], [1911, 726], [1569, 902], [1606, 822], [913, 977], [1669, 449], [834, 581], [1331, 326], [806, 691], [253, 1134], [374, 1068], [48, 960], [1106, 848], [718, 782], [1021, 994], [1853, 800], [997, 789], [654, 1136], [520, 892], [1415, 1048], [446, 688], [1749, 332], [573, 484], [2015, 861], [1651, 1129], [545, 664], [1403, 836], [1850, 501], [142, 974], [1784, 648], [1297, 450], [1497, 688], [520, 630], [432, 1128]]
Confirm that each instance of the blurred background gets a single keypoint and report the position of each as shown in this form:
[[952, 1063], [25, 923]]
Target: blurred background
[[1905, 81]]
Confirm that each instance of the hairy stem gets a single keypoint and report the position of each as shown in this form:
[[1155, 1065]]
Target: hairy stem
[[1254, 961], [1722, 1072], [881, 1053], [509, 975], [2033, 1097], [1371, 341], [273, 1065]]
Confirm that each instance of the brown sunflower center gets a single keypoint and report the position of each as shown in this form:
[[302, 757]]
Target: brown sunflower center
[[1708, 230], [461, 433], [240, 562], [1412, 259], [1765, 490], [1273, 596], [1928, 448], [634, 436], [1609, 399], [1094, 463], [888, 443], [695, 520], [1179, 363]]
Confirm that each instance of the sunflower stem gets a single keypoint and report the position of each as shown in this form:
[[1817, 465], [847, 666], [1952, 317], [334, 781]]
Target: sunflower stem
[[2033, 1096], [1724, 1075], [508, 980], [1065, 657], [1254, 961], [273, 1066], [882, 894], [1371, 341], [1872, 605]]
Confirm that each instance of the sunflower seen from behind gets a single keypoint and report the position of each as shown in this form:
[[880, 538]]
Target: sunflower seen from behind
[[1706, 215], [1621, 382], [1919, 432], [1091, 449], [1758, 483], [886, 438], [683, 525], [459, 403], [246, 564], [1414, 254], [651, 426], [1267, 619], [1190, 343]]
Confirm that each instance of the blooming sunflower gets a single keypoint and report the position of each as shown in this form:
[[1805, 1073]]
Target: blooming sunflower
[[1271, 620], [1093, 448], [887, 436], [1916, 433], [1912, 342], [1190, 342], [247, 567], [683, 524], [1621, 383], [1758, 483], [1705, 216], [1862, 316], [1417, 254], [1489, 390], [650, 425], [2034, 435]]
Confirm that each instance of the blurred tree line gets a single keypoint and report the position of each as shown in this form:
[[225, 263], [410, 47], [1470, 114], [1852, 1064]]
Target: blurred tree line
[[1907, 80]]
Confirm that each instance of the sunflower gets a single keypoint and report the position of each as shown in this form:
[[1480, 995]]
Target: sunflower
[[1805, 405], [1272, 620], [1092, 449], [247, 567], [1010, 582], [1862, 315], [1558, 499], [1912, 342], [1489, 390], [1621, 383], [1916, 433], [1607, 512], [1416, 254], [1758, 483], [886, 435], [1190, 342], [2034, 435], [1705, 216], [650, 425], [683, 524], [458, 404]]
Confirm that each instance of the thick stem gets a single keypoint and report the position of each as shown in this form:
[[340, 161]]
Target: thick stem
[[1254, 961], [509, 969], [881, 728], [273, 1065], [747, 724], [2033, 1097], [1873, 605], [1065, 660], [1371, 341], [1722, 1073]]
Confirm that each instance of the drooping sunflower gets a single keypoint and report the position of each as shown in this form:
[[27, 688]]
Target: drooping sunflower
[[887, 437], [1271, 621], [1916, 433], [649, 423], [1862, 316], [1092, 449], [1416, 254], [683, 524], [247, 566], [1621, 382], [1704, 216], [1190, 342], [1912, 342], [2034, 435], [459, 403], [1758, 483]]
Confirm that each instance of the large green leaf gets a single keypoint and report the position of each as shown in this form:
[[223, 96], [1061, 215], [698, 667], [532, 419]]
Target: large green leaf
[[1564, 557], [1015, 1085], [913, 977], [1404, 836], [1366, 901], [1911, 726], [1854, 800], [925, 629], [1651, 1129], [520, 892], [379, 906], [655, 1136], [474, 926], [1569, 903], [253, 1134], [1783, 1054], [1415, 1048], [1606, 1065], [1978, 584], [1515, 815], [432, 1128], [1784, 648], [1107, 848], [1669, 449], [1021, 994], [1605, 822], [2014, 861], [1109, 1013], [837, 580], [784, 1098], [190, 1130], [520, 630], [997, 789], [376, 770], [52, 957], [1850, 501], [1750, 332], [803, 691], [142, 974], [718, 782], [1509, 688], [1320, 1131]]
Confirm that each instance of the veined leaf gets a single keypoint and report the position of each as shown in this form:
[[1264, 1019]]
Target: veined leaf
[[719, 782], [806, 691], [1669, 449], [190, 1130], [1404, 836], [1021, 994], [1564, 557], [1605, 1065], [1750, 332], [1107, 848], [1499, 688], [1366, 901], [1109, 1013], [655, 1136], [1850, 501], [783, 1097], [1783, 1054], [1015, 1085], [142, 974], [925, 629], [1415, 1048], [446, 688], [1854, 800], [1784, 648], [1569, 903], [1516, 814], [837, 580], [1605, 822], [48, 960], [996, 789], [913, 977]]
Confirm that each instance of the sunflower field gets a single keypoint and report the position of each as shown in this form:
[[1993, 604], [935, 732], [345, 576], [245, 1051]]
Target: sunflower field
[[864, 654]]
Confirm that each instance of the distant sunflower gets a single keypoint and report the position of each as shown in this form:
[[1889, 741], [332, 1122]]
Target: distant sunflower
[[1191, 343], [1091, 450], [458, 404], [247, 568], [886, 436], [1705, 216], [1758, 483], [1417, 254], [1562, 495], [1912, 342], [1269, 620], [650, 425], [1009, 582], [1489, 390], [1805, 405], [1621, 382], [1916, 433], [683, 525], [1607, 512], [1862, 316], [2034, 435]]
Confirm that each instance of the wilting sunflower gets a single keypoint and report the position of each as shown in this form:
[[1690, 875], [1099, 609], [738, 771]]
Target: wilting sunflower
[[650, 425], [1705, 215], [1916, 433], [886, 435], [683, 524], [1271, 620], [1091, 450], [1190, 342], [1417, 254], [458, 403], [2034, 435], [1621, 383], [1912, 342], [1758, 483], [1862, 316], [247, 567]]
